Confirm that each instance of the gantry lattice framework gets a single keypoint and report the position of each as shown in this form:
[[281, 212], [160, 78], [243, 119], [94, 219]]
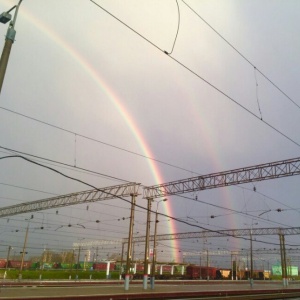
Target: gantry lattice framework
[[197, 235], [243, 252], [260, 172], [221, 233], [271, 170], [107, 193]]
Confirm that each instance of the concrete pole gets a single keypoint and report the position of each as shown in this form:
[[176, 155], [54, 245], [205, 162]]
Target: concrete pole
[[207, 264], [154, 252], [79, 249], [121, 266], [283, 259], [251, 260], [9, 39], [7, 259], [129, 248], [146, 259], [23, 252], [107, 269], [155, 246]]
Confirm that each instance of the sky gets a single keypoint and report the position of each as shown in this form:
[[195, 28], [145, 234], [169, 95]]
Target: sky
[[115, 100]]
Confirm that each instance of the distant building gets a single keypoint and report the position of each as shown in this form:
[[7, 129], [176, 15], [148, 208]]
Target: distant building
[[291, 270]]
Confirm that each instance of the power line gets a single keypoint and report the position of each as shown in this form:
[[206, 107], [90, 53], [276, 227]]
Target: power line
[[233, 210], [178, 25], [243, 56], [92, 139], [185, 197], [64, 164], [200, 77], [123, 199], [122, 180], [29, 189]]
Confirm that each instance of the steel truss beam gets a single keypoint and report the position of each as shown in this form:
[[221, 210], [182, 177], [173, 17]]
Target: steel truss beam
[[233, 177], [239, 253], [222, 233], [100, 194], [90, 244], [198, 235]]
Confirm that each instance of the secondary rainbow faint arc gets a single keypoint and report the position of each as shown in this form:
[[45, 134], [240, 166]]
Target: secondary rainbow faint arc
[[116, 101]]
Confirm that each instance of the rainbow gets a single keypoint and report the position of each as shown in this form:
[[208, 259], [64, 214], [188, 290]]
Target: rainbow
[[95, 76]]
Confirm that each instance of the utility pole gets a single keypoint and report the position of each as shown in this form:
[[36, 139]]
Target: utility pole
[[146, 259], [200, 267], [283, 259], [207, 264], [129, 248], [154, 246], [23, 252], [251, 253], [9, 39], [251, 259], [7, 259], [77, 266], [121, 263]]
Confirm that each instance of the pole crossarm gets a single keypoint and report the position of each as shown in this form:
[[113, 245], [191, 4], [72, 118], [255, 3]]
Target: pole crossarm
[[261, 172], [240, 252], [200, 234], [221, 233], [90, 244], [204, 252], [94, 195]]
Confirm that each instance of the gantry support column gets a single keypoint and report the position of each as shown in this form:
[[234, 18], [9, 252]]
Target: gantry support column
[[121, 263], [146, 259], [283, 260], [129, 248]]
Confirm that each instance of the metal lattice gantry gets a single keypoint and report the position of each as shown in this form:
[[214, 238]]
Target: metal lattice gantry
[[261, 172], [96, 243], [196, 235], [107, 193], [240, 252], [221, 233]]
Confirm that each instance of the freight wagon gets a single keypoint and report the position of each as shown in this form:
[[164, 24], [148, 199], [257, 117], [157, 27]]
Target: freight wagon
[[16, 264], [103, 266], [167, 269], [2, 263], [199, 272]]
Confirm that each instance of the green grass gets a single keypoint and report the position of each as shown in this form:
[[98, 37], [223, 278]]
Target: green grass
[[58, 274]]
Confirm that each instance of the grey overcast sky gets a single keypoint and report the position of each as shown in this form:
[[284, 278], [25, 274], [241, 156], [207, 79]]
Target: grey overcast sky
[[76, 67]]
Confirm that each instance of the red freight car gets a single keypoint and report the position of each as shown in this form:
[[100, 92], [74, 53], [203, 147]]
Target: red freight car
[[197, 272], [139, 267], [103, 266], [16, 264], [2, 263], [167, 269]]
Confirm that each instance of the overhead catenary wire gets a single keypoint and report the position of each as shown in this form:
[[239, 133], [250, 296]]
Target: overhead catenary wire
[[221, 207], [178, 25], [123, 199], [232, 210], [243, 56], [91, 139], [109, 145], [257, 98], [242, 213], [64, 164], [101, 174], [25, 188], [200, 77]]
